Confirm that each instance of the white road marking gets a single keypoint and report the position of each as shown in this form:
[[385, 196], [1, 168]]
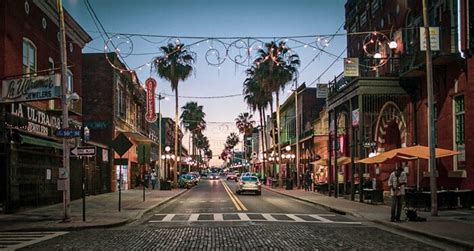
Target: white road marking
[[268, 217], [168, 217], [218, 217], [17, 240], [243, 217], [294, 217], [193, 217], [322, 219]]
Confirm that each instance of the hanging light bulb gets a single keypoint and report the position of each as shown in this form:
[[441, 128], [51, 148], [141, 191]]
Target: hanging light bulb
[[377, 55], [392, 45]]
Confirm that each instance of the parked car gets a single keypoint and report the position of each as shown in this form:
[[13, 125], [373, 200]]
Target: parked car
[[231, 176], [186, 181], [214, 176], [196, 176], [249, 184]]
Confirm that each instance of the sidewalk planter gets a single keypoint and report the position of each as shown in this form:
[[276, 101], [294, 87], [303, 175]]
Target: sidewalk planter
[[165, 185]]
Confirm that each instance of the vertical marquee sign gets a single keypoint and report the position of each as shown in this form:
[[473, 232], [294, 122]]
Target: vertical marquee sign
[[150, 85]]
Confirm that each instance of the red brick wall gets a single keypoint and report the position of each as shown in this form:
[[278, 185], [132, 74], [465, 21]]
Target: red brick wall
[[98, 98], [18, 25]]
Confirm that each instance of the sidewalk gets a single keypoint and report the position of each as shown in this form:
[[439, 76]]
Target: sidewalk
[[101, 212], [450, 226]]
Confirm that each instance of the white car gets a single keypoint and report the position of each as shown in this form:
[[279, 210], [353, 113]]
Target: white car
[[249, 184]]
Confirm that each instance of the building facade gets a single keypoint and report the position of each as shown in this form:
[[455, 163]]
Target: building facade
[[384, 105], [115, 101], [30, 153]]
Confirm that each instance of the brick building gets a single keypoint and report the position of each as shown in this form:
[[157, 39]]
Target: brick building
[[385, 106], [114, 103], [30, 153]]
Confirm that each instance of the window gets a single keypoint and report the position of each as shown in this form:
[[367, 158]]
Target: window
[[459, 130], [29, 56], [120, 103], [363, 18], [375, 7], [51, 65], [70, 81]]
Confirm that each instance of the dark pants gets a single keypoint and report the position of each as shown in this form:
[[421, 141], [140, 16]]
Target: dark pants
[[396, 207], [153, 184]]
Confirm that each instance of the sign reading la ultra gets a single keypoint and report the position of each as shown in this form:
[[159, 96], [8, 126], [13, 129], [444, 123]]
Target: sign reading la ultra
[[31, 89], [150, 86]]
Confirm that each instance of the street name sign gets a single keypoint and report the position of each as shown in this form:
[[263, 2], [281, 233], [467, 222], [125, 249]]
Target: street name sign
[[68, 133], [83, 151]]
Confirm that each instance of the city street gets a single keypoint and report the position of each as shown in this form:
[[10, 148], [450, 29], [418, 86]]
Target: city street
[[212, 217]]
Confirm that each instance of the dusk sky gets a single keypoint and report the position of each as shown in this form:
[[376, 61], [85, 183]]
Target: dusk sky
[[217, 18]]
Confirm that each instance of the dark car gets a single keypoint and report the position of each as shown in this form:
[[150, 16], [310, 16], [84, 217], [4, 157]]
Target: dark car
[[213, 176], [186, 181]]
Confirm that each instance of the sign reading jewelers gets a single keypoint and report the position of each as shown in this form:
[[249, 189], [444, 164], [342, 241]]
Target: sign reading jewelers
[[31, 89], [150, 86]]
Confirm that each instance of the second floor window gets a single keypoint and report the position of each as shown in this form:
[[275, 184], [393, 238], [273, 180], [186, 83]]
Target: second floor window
[[29, 57], [459, 119]]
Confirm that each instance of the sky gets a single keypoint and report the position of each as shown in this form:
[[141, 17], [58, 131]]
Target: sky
[[212, 19]]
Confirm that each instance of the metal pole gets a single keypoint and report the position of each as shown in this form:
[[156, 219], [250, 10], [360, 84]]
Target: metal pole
[[160, 140], [84, 190], [431, 128], [336, 148], [298, 185], [62, 46], [120, 188], [143, 177]]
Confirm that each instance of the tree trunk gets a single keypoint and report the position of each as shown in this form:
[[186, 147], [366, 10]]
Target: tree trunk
[[265, 138], [280, 178], [273, 137], [176, 135], [263, 142]]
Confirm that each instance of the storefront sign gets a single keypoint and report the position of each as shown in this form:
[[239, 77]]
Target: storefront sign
[[351, 67], [355, 117], [150, 85], [322, 91], [31, 89], [38, 121], [434, 38]]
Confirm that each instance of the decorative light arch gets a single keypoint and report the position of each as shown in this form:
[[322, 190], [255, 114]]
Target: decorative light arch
[[390, 112]]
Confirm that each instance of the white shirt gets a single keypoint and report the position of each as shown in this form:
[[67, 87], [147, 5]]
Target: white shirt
[[392, 182], [153, 176]]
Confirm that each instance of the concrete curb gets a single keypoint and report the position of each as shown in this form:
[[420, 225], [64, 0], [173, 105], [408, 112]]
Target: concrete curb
[[451, 241], [461, 244], [106, 225]]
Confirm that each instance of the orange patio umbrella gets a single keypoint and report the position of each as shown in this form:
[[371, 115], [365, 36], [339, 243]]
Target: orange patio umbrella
[[423, 152]]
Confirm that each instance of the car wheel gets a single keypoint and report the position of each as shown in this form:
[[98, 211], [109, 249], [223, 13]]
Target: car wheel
[[259, 192], [238, 192]]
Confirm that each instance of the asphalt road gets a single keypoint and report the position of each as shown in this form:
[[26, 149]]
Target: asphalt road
[[211, 216]]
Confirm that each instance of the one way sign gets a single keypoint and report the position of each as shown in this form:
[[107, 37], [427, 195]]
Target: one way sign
[[87, 151]]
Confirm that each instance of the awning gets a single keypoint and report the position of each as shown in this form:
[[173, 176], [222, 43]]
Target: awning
[[39, 142], [138, 137], [407, 153]]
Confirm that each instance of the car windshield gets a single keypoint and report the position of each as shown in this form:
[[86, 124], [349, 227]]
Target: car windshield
[[249, 179], [187, 177]]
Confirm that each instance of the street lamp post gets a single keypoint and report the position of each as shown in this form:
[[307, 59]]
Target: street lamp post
[[160, 97]]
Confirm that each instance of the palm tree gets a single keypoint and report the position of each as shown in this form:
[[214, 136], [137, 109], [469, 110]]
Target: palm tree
[[192, 118], [232, 140], [245, 124], [202, 143], [175, 65], [276, 66], [257, 98]]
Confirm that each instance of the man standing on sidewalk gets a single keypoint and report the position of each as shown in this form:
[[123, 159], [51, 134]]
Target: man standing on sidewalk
[[153, 179], [396, 182]]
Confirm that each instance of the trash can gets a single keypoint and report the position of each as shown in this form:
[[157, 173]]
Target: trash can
[[289, 184]]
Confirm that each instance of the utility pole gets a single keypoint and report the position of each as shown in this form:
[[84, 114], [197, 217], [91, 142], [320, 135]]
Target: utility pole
[[431, 128], [62, 48], [160, 97], [297, 137]]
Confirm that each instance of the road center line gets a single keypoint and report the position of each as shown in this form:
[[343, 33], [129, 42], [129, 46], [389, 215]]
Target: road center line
[[230, 195], [235, 197]]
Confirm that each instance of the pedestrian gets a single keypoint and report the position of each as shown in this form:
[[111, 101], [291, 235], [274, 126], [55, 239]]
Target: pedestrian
[[307, 180], [397, 182], [153, 179]]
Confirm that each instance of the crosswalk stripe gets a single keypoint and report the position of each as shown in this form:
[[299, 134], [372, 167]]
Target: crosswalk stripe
[[320, 218], [268, 217], [168, 217], [243, 217], [294, 217], [17, 240], [248, 217], [193, 217], [218, 217]]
